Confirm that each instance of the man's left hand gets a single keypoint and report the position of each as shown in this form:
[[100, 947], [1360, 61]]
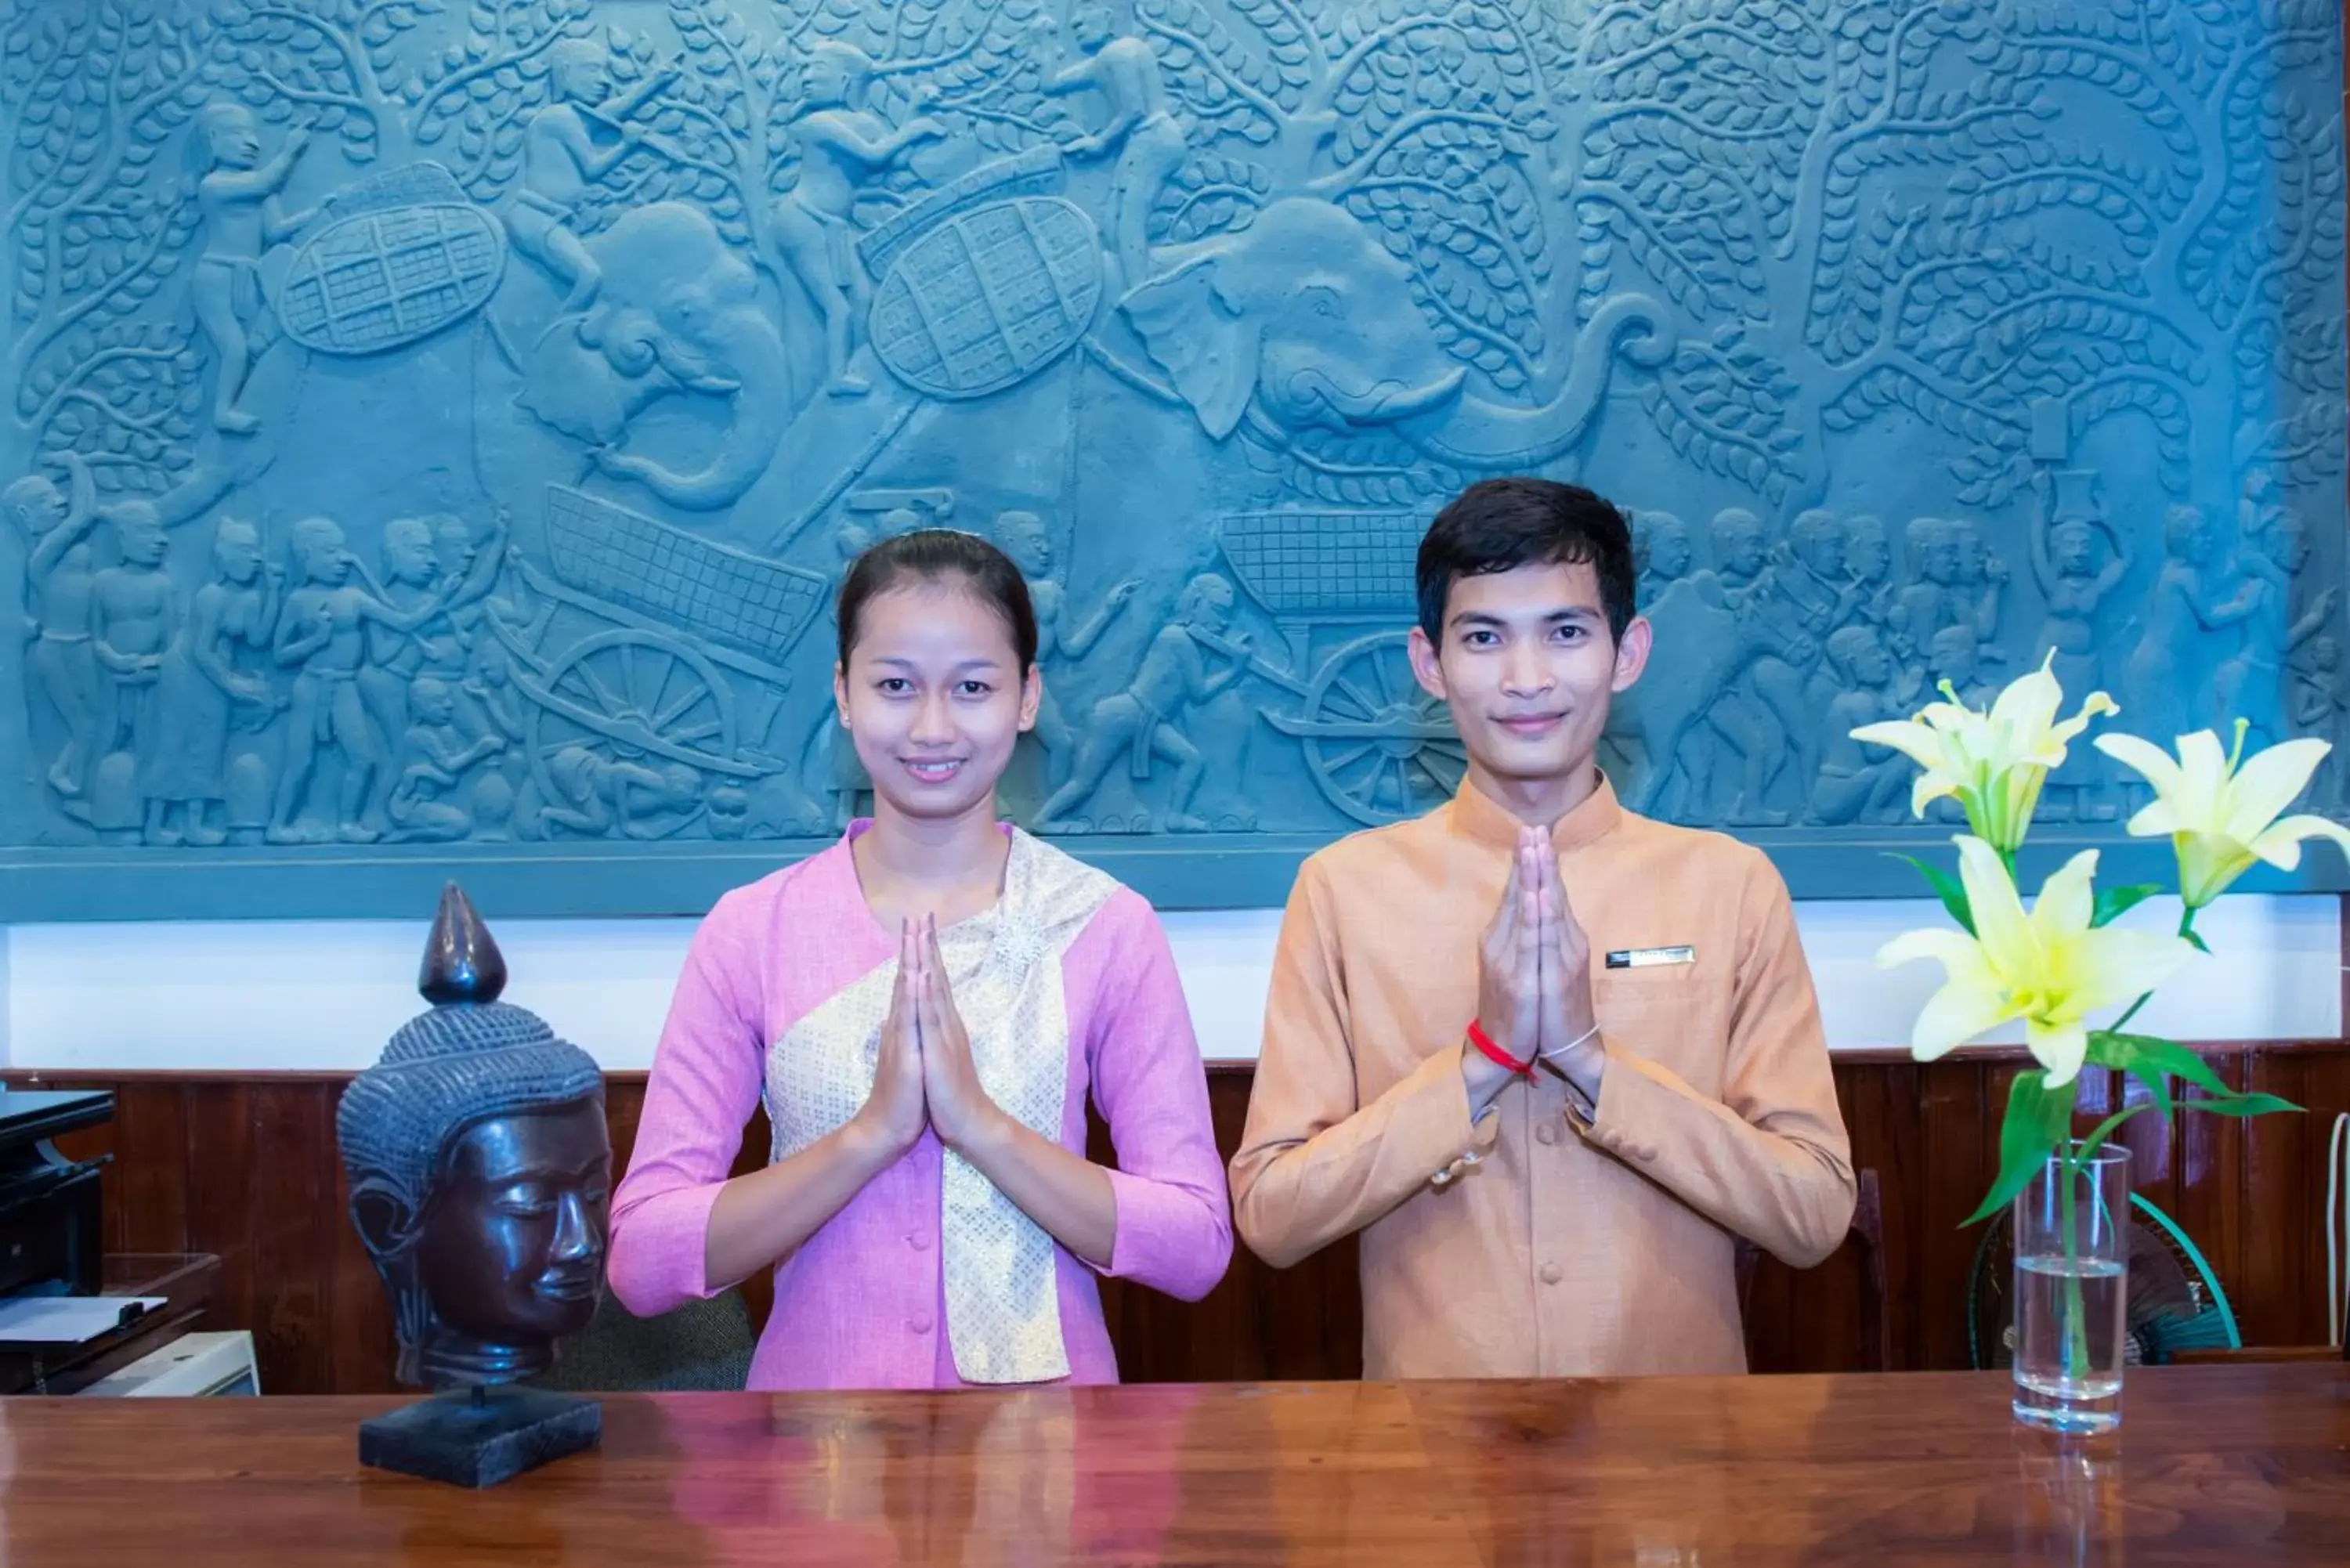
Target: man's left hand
[[1569, 1038]]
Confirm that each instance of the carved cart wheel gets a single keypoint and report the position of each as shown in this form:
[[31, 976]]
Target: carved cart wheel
[[1380, 748], [635, 696]]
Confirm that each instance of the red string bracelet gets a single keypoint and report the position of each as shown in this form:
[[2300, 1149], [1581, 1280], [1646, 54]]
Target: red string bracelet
[[1484, 1041]]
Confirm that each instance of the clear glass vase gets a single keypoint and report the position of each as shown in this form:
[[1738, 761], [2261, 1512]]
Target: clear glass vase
[[2072, 1276]]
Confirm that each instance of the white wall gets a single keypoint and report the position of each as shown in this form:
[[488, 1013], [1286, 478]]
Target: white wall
[[253, 996]]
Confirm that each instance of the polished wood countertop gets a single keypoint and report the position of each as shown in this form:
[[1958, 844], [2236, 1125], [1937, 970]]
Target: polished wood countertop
[[2213, 1465]]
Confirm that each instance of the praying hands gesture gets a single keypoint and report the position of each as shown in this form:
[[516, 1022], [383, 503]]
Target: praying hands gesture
[[960, 1108], [926, 1075], [1534, 983]]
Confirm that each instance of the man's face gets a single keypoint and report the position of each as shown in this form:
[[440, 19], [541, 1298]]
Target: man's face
[[1213, 608], [1024, 542], [1952, 655], [1822, 548], [409, 556], [512, 1248], [1741, 550], [1869, 556], [1526, 664], [453, 549]]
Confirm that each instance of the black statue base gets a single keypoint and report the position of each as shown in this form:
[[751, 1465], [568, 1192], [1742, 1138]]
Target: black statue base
[[481, 1438]]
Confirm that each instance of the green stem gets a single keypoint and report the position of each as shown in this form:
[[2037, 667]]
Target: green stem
[[2186, 928], [2077, 1312]]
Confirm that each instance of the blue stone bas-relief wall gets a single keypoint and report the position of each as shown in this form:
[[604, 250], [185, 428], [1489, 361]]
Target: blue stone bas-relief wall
[[435, 429]]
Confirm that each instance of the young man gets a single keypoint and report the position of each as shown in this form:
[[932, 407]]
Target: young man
[[1578, 1215]]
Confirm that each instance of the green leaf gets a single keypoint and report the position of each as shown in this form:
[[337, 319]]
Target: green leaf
[[2256, 1104], [2037, 1120], [2149, 1058], [2144, 1053], [1947, 889], [2157, 1088], [2114, 902], [2195, 939]]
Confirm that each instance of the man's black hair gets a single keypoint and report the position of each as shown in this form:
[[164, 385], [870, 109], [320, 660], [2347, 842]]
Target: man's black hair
[[1499, 525]]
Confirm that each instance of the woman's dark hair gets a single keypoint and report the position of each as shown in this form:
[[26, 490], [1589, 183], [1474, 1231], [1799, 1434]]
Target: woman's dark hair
[[935, 554], [1499, 525]]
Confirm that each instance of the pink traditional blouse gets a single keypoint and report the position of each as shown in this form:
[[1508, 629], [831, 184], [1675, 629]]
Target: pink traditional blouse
[[929, 1277]]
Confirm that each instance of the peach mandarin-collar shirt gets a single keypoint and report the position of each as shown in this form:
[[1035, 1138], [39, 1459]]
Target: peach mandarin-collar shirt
[[1550, 1239]]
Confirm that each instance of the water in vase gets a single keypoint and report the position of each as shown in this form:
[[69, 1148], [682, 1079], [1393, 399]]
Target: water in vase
[[2075, 1387]]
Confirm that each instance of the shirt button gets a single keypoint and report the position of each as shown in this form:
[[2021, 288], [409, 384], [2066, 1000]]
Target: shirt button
[[919, 1323], [919, 1243], [1548, 1133], [1551, 1274]]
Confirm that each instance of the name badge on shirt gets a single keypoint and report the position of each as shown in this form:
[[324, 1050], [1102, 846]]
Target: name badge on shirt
[[1650, 958]]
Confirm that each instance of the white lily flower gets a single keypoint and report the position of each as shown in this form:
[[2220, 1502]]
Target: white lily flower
[[2222, 817], [2050, 967], [1993, 762]]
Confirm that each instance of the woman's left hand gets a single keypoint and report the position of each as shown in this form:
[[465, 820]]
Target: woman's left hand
[[961, 1112]]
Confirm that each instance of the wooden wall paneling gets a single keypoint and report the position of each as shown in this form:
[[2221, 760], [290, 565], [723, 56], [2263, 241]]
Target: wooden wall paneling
[[2284, 1200], [2209, 1158], [246, 1168], [1957, 1109]]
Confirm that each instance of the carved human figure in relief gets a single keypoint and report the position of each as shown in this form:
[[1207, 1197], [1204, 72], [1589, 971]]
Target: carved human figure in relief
[[201, 685], [1859, 783], [2076, 564], [2169, 676], [1061, 639], [1741, 716], [568, 147], [433, 761], [1930, 599], [1955, 656], [2318, 706], [1138, 128], [134, 616], [239, 199], [505, 797], [1146, 719], [1695, 654], [2250, 682], [596, 795], [1805, 596], [842, 147], [57, 589], [411, 575], [323, 630], [1980, 578]]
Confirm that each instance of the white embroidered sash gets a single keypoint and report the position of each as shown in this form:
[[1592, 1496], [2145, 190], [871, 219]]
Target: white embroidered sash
[[1003, 1310]]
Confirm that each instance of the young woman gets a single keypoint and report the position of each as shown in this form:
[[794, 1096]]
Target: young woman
[[924, 1008]]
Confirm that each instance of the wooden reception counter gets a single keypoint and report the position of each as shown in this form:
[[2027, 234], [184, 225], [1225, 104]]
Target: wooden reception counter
[[2214, 1465]]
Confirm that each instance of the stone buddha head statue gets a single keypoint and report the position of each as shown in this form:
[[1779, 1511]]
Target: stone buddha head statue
[[480, 1171]]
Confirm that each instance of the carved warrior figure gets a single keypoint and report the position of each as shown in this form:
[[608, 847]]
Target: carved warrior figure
[[842, 147], [238, 196], [1145, 720], [480, 1172], [1025, 539], [1138, 128], [570, 146]]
